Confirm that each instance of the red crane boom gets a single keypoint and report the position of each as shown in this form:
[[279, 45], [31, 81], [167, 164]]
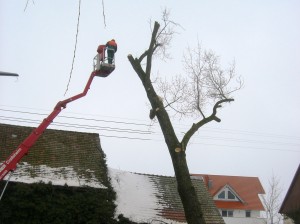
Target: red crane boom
[[11, 162]]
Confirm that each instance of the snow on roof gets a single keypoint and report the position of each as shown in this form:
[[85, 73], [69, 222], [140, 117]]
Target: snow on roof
[[62, 157], [135, 195], [77, 159], [154, 199], [27, 173]]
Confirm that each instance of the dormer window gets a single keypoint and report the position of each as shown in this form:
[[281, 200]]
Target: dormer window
[[230, 195], [222, 195], [226, 194]]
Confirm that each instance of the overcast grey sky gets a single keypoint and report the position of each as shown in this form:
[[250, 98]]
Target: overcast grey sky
[[259, 132]]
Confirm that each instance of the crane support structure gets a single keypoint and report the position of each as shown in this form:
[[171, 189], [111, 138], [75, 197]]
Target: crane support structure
[[11, 162]]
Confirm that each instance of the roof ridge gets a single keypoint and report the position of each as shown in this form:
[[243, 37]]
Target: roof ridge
[[196, 174]]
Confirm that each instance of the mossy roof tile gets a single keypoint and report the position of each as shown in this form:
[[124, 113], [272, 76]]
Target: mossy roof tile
[[172, 206], [57, 149]]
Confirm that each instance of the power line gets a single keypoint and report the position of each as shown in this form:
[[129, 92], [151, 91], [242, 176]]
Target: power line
[[144, 139], [141, 124], [83, 127], [180, 126], [122, 137], [139, 131], [142, 131], [248, 141], [243, 132], [92, 127], [208, 144], [251, 147], [78, 118]]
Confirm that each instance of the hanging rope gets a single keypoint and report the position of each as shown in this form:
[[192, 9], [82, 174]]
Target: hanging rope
[[11, 173], [103, 13], [74, 48]]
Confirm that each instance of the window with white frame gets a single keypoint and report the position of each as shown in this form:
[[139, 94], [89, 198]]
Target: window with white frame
[[221, 195], [227, 194], [230, 195], [227, 213]]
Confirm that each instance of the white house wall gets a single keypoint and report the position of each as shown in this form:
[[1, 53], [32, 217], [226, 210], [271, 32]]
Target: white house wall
[[242, 213], [237, 220]]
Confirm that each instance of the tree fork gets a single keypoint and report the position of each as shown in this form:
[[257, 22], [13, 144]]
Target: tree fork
[[186, 190]]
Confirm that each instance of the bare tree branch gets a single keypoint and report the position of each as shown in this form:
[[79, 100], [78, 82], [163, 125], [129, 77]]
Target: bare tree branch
[[174, 94], [163, 37], [208, 83], [151, 49], [272, 201], [195, 127]]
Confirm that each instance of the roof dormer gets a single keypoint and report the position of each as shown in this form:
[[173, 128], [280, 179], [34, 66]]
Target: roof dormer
[[227, 193]]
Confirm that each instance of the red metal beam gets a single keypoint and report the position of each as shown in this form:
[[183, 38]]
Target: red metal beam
[[11, 162]]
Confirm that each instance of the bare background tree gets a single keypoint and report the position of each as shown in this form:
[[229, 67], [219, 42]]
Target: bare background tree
[[205, 87], [272, 201]]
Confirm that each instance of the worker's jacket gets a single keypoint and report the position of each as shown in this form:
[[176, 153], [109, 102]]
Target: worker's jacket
[[112, 44], [100, 49]]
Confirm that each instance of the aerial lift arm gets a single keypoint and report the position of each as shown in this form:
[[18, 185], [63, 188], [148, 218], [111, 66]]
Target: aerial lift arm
[[11, 162]]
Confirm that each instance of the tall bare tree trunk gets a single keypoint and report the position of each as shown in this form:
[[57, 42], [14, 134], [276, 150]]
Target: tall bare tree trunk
[[209, 84], [191, 205], [186, 190]]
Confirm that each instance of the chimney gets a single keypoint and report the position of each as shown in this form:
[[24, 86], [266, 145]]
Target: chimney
[[210, 184]]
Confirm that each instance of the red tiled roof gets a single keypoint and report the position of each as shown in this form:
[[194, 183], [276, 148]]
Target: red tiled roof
[[247, 189], [172, 214]]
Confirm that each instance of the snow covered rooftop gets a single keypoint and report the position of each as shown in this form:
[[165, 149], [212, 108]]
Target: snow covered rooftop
[[26, 173], [59, 157], [76, 159], [154, 199]]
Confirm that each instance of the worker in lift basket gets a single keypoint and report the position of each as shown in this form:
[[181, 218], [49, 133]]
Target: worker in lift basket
[[101, 52], [111, 47]]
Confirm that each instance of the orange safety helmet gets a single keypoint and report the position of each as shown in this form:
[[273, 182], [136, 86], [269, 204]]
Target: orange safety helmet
[[112, 43]]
